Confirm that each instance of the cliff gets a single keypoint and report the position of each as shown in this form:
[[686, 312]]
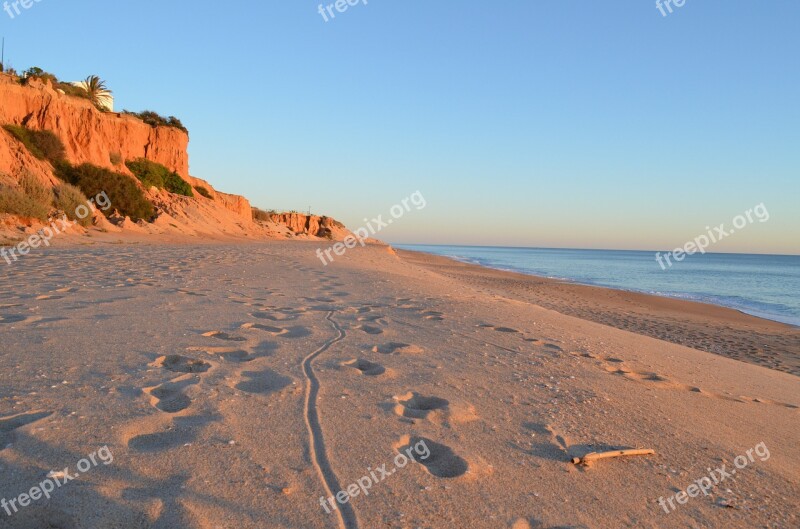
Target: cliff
[[314, 225], [110, 139], [90, 136]]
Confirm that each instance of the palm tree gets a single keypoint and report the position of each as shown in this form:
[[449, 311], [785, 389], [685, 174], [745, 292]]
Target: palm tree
[[97, 91]]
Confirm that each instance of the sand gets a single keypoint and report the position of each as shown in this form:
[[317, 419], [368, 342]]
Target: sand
[[700, 326], [237, 384]]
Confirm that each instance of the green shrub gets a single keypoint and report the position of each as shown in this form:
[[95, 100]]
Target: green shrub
[[203, 191], [115, 158], [123, 193], [175, 184], [16, 202], [154, 174], [33, 188], [28, 198], [68, 198], [37, 73], [154, 119], [42, 144]]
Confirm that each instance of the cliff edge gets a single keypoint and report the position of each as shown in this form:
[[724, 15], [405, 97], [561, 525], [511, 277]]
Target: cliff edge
[[109, 140]]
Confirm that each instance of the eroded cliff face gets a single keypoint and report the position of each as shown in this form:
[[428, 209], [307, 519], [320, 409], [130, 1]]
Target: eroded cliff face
[[314, 225], [90, 136], [108, 140]]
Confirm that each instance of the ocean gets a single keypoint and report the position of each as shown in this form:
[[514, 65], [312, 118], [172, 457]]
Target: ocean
[[767, 286]]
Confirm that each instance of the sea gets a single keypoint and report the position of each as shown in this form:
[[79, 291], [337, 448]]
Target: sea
[[767, 286]]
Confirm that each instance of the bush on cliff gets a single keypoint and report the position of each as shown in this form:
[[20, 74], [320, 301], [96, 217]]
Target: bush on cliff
[[203, 191], [43, 144], [68, 198], [15, 202], [30, 199], [154, 174], [154, 119], [68, 88], [125, 196]]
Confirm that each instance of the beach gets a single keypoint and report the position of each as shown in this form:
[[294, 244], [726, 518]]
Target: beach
[[247, 385], [702, 326]]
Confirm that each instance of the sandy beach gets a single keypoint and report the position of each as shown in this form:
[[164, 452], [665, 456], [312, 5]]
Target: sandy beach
[[240, 385]]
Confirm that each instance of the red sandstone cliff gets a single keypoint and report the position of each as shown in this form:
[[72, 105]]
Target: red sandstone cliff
[[301, 224], [90, 136], [109, 139]]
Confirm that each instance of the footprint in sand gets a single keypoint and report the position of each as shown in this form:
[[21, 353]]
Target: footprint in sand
[[496, 328], [169, 397], [553, 347], [370, 317], [12, 318], [178, 434], [190, 293], [433, 315], [263, 382], [275, 331], [547, 443], [761, 400], [13, 422], [397, 348], [365, 367], [219, 335], [442, 461], [228, 353], [370, 329], [608, 365], [181, 364], [273, 316], [415, 406]]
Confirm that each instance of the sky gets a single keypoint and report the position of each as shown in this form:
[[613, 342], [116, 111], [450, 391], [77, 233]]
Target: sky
[[558, 123]]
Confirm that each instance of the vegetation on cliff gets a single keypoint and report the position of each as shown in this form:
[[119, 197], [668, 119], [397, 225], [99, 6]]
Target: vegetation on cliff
[[32, 199], [154, 119], [43, 144], [28, 198], [154, 174], [123, 193], [203, 192]]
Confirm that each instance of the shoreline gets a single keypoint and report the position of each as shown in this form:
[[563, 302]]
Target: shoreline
[[699, 325], [677, 296]]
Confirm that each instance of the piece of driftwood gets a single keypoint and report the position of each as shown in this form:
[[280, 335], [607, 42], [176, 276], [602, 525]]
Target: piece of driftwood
[[591, 458]]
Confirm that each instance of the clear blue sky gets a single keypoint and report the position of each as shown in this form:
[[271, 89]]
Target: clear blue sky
[[522, 122]]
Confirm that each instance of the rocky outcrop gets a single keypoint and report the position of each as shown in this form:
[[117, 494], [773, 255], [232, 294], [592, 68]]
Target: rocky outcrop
[[91, 136], [314, 225], [236, 203]]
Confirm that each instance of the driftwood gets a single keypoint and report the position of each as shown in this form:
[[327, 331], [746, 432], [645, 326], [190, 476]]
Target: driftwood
[[589, 459]]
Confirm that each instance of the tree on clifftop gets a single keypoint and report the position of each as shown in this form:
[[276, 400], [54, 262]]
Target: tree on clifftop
[[98, 92]]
